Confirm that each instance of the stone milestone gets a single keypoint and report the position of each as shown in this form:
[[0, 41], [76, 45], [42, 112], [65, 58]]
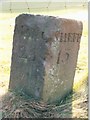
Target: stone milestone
[[44, 56]]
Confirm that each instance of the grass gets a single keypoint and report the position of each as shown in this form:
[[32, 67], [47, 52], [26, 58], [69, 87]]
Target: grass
[[17, 104]]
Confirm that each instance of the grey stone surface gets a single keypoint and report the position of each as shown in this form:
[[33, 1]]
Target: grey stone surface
[[44, 56]]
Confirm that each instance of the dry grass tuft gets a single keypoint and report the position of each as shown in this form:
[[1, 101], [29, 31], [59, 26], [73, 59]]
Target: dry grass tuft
[[20, 106]]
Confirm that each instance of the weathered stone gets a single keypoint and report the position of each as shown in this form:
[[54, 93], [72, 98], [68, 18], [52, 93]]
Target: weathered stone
[[44, 56]]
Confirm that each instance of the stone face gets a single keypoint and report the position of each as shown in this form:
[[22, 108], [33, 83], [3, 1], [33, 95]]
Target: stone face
[[44, 56]]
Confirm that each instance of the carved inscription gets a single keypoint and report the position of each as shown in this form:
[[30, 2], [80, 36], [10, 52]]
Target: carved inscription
[[68, 37]]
